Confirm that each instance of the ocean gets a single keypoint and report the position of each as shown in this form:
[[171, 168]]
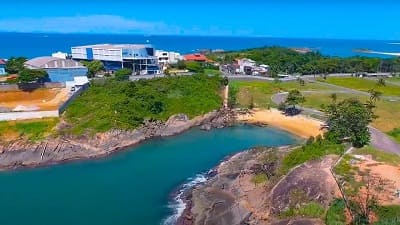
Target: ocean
[[134, 187], [33, 44]]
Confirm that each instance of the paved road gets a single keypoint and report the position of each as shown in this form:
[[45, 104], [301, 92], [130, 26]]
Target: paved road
[[379, 139]]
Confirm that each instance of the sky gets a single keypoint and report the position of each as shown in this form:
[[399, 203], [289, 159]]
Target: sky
[[338, 19]]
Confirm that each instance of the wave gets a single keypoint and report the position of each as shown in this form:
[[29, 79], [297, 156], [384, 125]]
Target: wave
[[394, 43], [177, 205]]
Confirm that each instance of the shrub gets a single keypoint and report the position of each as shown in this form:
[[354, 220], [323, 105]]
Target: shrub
[[335, 214]]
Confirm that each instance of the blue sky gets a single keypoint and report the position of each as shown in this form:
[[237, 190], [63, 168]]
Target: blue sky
[[351, 19]]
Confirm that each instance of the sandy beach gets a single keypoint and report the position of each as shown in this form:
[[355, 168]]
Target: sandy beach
[[299, 125]]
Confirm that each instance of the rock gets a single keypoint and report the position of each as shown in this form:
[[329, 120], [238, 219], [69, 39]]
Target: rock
[[22, 153], [206, 127]]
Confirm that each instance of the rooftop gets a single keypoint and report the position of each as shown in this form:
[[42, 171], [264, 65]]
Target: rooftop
[[2, 62], [40, 62], [115, 46], [196, 57]]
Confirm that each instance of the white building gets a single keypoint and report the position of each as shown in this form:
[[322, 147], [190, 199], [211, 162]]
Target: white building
[[140, 58], [60, 55], [246, 66], [165, 57]]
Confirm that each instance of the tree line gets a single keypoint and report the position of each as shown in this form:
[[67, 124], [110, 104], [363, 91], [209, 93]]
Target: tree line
[[285, 60]]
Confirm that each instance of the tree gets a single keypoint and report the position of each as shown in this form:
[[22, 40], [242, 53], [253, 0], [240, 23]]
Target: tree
[[181, 65], [294, 98], [334, 96], [348, 120], [94, 67], [123, 74], [15, 65], [381, 82], [195, 67], [29, 76]]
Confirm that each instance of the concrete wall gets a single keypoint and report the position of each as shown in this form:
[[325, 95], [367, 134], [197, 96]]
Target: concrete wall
[[27, 115], [41, 114], [16, 87]]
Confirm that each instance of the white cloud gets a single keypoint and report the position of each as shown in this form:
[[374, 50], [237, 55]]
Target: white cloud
[[86, 24]]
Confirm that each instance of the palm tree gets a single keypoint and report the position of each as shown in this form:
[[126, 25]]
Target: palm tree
[[374, 95], [381, 82]]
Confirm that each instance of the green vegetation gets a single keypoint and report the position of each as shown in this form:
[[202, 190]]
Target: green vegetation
[[335, 214], [364, 85], [123, 74], [309, 210], [395, 133], [388, 215], [29, 76], [380, 156], [32, 130], [259, 179], [312, 151], [294, 98], [15, 65], [125, 105], [195, 67], [94, 67], [284, 60], [262, 91], [348, 120]]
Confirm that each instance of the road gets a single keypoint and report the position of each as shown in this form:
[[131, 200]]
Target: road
[[379, 140]]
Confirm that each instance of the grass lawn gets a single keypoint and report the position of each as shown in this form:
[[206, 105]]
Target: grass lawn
[[380, 156], [261, 91], [388, 112], [363, 85], [32, 130], [394, 79]]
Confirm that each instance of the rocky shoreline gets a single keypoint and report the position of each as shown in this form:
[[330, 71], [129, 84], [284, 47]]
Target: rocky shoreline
[[20, 153], [230, 196]]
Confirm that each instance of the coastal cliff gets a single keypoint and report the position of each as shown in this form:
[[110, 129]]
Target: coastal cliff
[[236, 195], [22, 153]]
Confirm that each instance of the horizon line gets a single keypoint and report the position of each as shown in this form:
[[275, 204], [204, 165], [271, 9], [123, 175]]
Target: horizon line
[[196, 35]]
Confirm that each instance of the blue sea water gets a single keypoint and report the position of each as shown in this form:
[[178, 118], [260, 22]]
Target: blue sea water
[[34, 44], [133, 187]]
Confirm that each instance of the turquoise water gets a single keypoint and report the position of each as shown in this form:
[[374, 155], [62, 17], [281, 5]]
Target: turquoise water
[[130, 187]]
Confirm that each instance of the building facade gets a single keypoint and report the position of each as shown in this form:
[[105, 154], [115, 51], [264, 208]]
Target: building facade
[[59, 70], [2, 67], [140, 58]]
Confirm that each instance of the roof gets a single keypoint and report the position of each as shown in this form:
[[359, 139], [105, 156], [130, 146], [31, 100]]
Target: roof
[[196, 57], [2, 62], [52, 62], [115, 46]]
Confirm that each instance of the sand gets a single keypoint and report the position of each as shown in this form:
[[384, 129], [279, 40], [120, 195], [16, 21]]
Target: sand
[[299, 125], [40, 99]]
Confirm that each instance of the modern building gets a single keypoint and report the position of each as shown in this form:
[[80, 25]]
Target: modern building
[[165, 57], [59, 70], [2, 67], [140, 58]]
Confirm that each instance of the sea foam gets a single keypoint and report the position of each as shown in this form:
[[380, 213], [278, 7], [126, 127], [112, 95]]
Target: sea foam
[[177, 205]]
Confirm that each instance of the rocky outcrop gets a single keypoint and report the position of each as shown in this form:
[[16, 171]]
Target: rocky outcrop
[[232, 197], [21, 153]]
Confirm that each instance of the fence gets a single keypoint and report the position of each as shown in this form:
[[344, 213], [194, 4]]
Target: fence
[[42, 114], [28, 115], [33, 86]]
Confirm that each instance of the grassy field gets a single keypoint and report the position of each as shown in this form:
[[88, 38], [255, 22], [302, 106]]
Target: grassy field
[[363, 85], [261, 91], [387, 111], [32, 130], [380, 156]]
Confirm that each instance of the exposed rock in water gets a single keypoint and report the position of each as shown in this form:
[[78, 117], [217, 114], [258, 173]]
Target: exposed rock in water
[[21, 153], [231, 197]]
